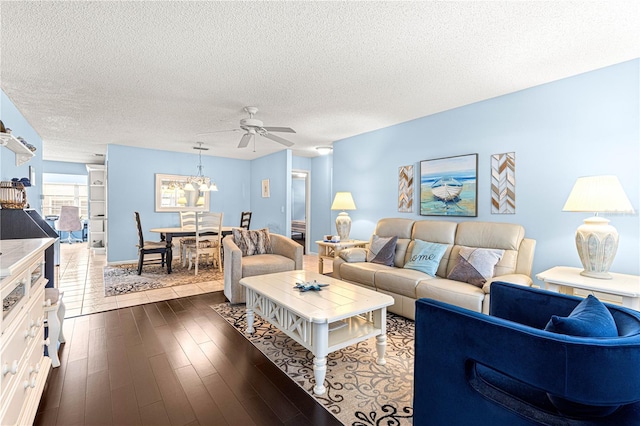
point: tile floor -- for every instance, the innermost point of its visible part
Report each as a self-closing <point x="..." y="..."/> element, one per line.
<point x="80" y="277"/>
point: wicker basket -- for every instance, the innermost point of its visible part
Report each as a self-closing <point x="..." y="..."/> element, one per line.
<point x="12" y="195"/>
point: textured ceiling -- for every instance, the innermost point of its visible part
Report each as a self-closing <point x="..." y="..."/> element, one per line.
<point x="156" y="74"/>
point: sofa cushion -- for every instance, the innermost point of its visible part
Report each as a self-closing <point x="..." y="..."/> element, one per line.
<point x="382" y="250"/>
<point x="425" y="257"/>
<point x="453" y="292"/>
<point x="252" y="242"/>
<point x="266" y="264"/>
<point x="361" y="273"/>
<point x="475" y="265"/>
<point x="505" y="236"/>
<point x="399" y="280"/>
<point x="437" y="231"/>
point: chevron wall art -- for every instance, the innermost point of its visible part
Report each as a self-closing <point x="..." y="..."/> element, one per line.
<point x="503" y="183"/>
<point x="405" y="189"/>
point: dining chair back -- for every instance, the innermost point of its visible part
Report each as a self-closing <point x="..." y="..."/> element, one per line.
<point x="207" y="240"/>
<point x="148" y="247"/>
<point x="188" y="223"/>
<point x="245" y="220"/>
<point x="69" y="221"/>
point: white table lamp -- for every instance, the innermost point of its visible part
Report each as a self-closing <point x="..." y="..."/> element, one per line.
<point x="343" y="201"/>
<point x="596" y="240"/>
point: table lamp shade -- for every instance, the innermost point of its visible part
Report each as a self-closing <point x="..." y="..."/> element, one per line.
<point x="343" y="201"/>
<point x="596" y="240"/>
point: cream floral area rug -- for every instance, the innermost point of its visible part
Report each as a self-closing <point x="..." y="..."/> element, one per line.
<point x="359" y="391"/>
<point x="123" y="279"/>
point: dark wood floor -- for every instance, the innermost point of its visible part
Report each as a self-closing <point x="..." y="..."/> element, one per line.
<point x="169" y="363"/>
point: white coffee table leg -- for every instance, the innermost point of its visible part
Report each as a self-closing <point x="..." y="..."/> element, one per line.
<point x="380" y="321"/>
<point x="250" y="314"/>
<point x="381" y="346"/>
<point x="321" y="346"/>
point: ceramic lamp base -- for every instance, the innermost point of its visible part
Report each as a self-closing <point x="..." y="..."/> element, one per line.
<point x="597" y="244"/>
<point x="343" y="226"/>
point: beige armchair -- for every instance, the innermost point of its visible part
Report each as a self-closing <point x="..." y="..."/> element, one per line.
<point x="286" y="256"/>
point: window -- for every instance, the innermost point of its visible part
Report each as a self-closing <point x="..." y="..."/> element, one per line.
<point x="56" y="195"/>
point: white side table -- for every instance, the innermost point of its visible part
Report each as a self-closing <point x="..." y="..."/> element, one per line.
<point x="564" y="279"/>
<point x="328" y="250"/>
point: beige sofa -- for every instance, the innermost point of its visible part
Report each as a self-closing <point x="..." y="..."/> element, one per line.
<point x="286" y="255"/>
<point x="407" y="285"/>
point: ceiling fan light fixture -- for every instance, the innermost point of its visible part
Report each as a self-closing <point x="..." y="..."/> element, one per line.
<point x="324" y="150"/>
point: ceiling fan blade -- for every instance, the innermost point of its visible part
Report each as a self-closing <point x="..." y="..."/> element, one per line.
<point x="246" y="138"/>
<point x="218" y="131"/>
<point x="277" y="139"/>
<point x="279" y="129"/>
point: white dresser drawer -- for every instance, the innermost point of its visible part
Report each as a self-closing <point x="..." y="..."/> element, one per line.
<point x="13" y="356"/>
<point x="28" y="386"/>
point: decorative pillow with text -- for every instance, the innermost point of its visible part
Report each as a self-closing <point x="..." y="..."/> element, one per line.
<point x="426" y="256"/>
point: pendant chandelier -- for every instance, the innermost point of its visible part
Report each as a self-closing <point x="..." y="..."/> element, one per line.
<point x="202" y="182"/>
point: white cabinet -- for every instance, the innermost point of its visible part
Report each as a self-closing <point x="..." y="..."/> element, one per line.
<point x="97" y="208"/>
<point x="23" y="154"/>
<point x="24" y="368"/>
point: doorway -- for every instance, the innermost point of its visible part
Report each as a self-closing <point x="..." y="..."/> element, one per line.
<point x="300" y="217"/>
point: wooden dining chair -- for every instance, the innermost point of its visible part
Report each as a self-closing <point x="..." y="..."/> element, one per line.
<point x="188" y="223"/>
<point x="207" y="241"/>
<point x="149" y="247"/>
<point x="245" y="220"/>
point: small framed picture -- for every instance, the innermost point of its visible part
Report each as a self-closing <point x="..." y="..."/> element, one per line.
<point x="265" y="188"/>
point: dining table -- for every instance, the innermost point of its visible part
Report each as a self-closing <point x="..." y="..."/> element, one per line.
<point x="167" y="234"/>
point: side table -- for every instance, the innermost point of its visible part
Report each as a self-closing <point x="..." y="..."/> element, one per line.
<point x="329" y="250"/>
<point x="564" y="279"/>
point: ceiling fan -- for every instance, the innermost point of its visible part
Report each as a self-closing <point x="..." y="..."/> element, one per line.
<point x="253" y="126"/>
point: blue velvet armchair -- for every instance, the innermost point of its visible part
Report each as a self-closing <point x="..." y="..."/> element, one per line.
<point x="505" y="369"/>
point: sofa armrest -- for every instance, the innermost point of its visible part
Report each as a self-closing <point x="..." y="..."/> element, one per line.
<point x="232" y="270"/>
<point x="286" y="247"/>
<point x="525" y="256"/>
<point x="336" y="267"/>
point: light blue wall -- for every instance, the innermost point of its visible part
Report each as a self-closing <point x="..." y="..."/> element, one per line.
<point x="584" y="125"/>
<point x="131" y="187"/>
<point x="13" y="119"/>
<point x="64" y="168"/>
<point x="272" y="212"/>
<point x="322" y="222"/>
<point x="301" y="163"/>
<point x="298" y="198"/>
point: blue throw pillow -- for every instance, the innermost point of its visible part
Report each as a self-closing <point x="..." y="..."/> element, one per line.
<point x="589" y="319"/>
<point x="426" y="256"/>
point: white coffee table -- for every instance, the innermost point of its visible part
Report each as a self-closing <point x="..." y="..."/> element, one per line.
<point x="306" y="316"/>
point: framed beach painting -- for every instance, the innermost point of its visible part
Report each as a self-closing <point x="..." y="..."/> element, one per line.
<point x="448" y="186"/>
